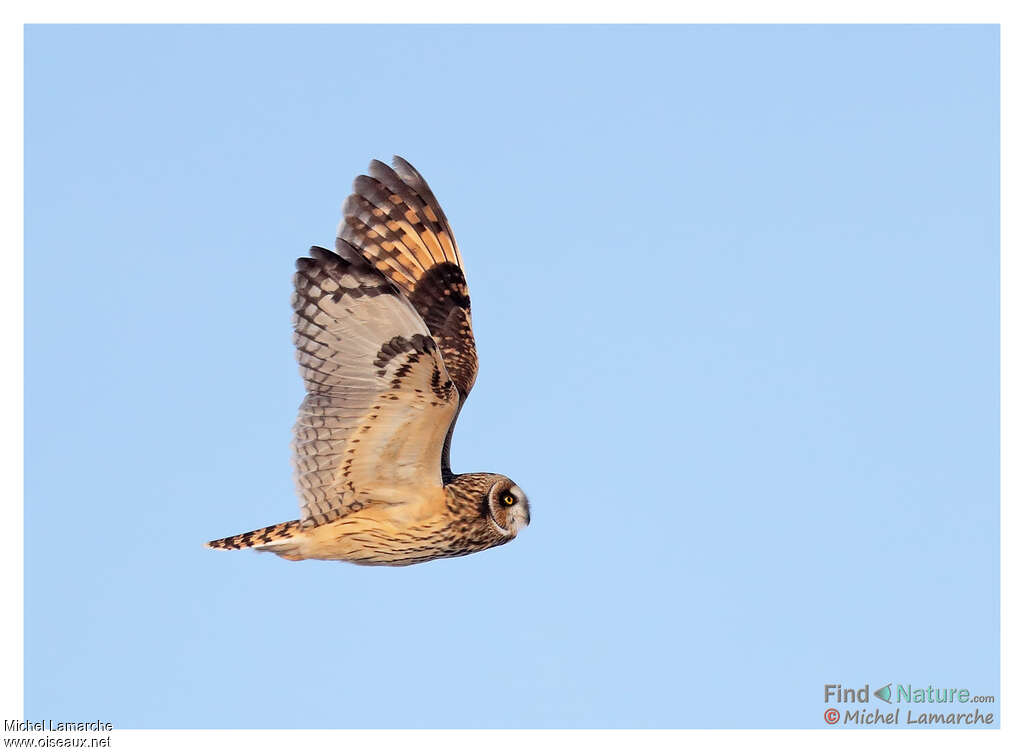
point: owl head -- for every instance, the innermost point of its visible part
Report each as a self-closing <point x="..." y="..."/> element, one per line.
<point x="507" y="507"/>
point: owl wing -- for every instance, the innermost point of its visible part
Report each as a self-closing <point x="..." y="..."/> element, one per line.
<point x="398" y="226"/>
<point x="380" y="400"/>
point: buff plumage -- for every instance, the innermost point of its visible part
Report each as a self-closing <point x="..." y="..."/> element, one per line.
<point x="385" y="345"/>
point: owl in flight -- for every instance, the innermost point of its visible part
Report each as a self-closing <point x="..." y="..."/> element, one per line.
<point x="385" y="347"/>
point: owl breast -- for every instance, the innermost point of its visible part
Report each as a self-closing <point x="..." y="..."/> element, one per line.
<point x="402" y="534"/>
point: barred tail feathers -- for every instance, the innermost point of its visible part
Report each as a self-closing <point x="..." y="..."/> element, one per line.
<point x="284" y="539"/>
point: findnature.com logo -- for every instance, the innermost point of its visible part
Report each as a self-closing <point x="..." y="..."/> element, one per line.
<point x="896" y="694"/>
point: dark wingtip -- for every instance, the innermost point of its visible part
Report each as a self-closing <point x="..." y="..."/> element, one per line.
<point x="345" y="254"/>
<point x="402" y="165"/>
<point x="375" y="165"/>
<point x="316" y="253"/>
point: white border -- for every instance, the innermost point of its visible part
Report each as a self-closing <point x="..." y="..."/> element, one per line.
<point x="523" y="11"/>
<point x="536" y="11"/>
<point x="12" y="667"/>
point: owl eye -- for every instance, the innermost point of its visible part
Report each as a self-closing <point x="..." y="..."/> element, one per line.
<point x="508" y="500"/>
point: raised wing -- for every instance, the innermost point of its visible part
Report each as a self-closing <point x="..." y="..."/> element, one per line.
<point x="380" y="400"/>
<point x="397" y="225"/>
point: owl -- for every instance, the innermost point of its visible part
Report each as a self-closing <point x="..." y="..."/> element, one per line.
<point x="385" y="345"/>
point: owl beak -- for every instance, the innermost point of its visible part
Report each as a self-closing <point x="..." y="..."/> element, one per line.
<point x="526" y="503"/>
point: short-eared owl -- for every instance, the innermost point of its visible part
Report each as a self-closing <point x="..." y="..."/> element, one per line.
<point x="385" y="348"/>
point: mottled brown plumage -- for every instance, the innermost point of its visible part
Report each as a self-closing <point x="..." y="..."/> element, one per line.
<point x="384" y="340"/>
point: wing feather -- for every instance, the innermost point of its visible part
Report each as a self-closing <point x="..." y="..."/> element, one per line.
<point x="394" y="222"/>
<point x="380" y="400"/>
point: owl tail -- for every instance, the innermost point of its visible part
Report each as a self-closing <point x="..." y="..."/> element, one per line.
<point x="284" y="539"/>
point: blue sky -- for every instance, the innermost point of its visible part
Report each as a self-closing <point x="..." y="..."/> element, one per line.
<point x="736" y="298"/>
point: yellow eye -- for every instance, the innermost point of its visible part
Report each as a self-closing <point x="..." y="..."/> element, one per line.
<point x="508" y="500"/>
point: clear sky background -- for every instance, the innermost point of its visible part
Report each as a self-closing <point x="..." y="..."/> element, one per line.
<point x="735" y="292"/>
